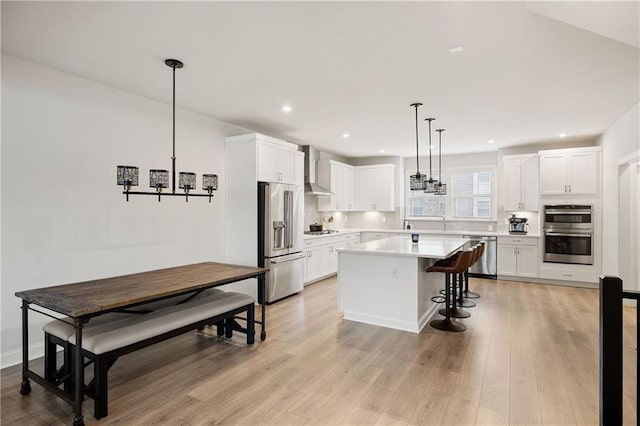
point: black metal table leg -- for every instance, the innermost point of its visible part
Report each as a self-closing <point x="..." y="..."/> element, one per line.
<point x="25" y="386"/>
<point x="78" y="376"/>
<point x="262" y="298"/>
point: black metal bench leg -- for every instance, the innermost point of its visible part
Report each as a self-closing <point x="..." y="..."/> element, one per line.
<point x="67" y="368"/>
<point x="251" y="324"/>
<point x="101" y="388"/>
<point x="228" y="328"/>
<point x="50" y="364"/>
<point x="220" y="328"/>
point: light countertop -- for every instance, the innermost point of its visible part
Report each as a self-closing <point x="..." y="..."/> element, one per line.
<point x="426" y="232"/>
<point x="333" y="234"/>
<point x="429" y="247"/>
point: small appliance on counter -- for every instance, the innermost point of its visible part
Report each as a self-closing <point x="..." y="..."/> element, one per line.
<point x="518" y="225"/>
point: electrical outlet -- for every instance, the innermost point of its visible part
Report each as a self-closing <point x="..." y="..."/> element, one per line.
<point x="490" y="228"/>
<point x="384" y="219"/>
<point x="394" y="272"/>
<point x="346" y="219"/>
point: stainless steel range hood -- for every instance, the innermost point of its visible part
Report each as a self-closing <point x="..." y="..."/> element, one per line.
<point x="310" y="185"/>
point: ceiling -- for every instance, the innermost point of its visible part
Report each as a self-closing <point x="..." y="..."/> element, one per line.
<point x="353" y="67"/>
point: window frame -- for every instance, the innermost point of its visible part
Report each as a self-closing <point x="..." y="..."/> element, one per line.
<point x="448" y="172"/>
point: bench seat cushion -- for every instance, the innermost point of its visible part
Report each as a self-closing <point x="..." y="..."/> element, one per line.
<point x="124" y="332"/>
<point x="64" y="330"/>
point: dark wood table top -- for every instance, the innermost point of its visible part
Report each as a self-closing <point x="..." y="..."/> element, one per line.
<point x="90" y="298"/>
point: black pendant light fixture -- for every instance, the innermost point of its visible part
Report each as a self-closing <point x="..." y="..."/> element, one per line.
<point x="431" y="183"/>
<point x="441" y="188"/>
<point x="418" y="181"/>
<point x="127" y="176"/>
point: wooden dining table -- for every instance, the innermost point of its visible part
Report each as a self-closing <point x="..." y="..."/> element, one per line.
<point x="84" y="300"/>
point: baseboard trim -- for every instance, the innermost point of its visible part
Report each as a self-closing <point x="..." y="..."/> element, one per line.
<point x="13" y="357"/>
<point x="548" y="281"/>
<point x="383" y="322"/>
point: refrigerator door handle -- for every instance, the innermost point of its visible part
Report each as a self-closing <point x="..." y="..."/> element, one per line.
<point x="288" y="211"/>
<point x="289" y="259"/>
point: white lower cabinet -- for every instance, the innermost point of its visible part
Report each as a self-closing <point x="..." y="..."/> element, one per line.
<point x="518" y="257"/>
<point x="321" y="255"/>
<point x="311" y="264"/>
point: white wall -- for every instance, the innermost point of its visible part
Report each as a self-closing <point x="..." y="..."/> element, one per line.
<point x="63" y="217"/>
<point x="620" y="140"/>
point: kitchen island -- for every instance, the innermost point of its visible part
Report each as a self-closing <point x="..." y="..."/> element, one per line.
<point x="385" y="283"/>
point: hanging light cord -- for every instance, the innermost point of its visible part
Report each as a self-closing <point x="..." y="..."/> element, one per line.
<point x="440" y="156"/>
<point x="416" y="106"/>
<point x="173" y="157"/>
<point x="430" y="174"/>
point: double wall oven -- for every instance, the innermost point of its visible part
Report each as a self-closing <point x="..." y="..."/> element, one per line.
<point x="568" y="234"/>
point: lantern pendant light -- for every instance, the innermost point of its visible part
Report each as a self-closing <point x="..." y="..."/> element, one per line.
<point x="418" y="181"/>
<point x="127" y="176"/>
<point x="441" y="188"/>
<point x="431" y="183"/>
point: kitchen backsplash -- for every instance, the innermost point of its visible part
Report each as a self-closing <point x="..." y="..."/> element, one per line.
<point x="341" y="220"/>
<point x="388" y="220"/>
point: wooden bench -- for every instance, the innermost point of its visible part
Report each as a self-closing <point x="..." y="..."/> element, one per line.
<point x="109" y="336"/>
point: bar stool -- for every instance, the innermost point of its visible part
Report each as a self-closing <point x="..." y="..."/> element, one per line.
<point x="458" y="287"/>
<point x="470" y="294"/>
<point x="453" y="265"/>
<point x="464" y="279"/>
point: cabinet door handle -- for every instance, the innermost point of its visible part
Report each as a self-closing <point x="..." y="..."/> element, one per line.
<point x="569" y="188"/>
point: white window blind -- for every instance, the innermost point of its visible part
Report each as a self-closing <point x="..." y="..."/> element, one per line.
<point x="471" y="194"/>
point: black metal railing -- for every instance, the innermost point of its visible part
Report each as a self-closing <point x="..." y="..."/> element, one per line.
<point x="611" y="351"/>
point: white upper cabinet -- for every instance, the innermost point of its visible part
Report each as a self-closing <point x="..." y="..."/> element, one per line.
<point x="340" y="179"/>
<point x="276" y="162"/>
<point x="570" y="172"/>
<point x="520" y="182"/>
<point x="375" y="188"/>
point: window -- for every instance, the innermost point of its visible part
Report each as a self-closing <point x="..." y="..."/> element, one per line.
<point x="424" y="205"/>
<point x="471" y="194"/>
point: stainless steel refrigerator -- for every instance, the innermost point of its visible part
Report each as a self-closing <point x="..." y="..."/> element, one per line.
<point x="280" y="238"/>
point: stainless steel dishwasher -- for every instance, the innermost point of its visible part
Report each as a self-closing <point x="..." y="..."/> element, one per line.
<point x="487" y="265"/>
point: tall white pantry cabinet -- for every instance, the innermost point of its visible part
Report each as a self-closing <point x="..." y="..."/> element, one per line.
<point x="249" y="159"/>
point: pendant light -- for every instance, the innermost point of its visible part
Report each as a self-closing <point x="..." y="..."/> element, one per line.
<point x="127" y="176"/>
<point x="431" y="183"/>
<point x="441" y="188"/>
<point x="418" y="181"/>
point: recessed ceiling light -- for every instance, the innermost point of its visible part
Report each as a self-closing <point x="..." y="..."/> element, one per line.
<point x="286" y="108"/>
<point x="381" y="151"/>
<point x="456" y="49"/>
<point x="346" y="135"/>
<point x="491" y="141"/>
<point x="562" y="135"/>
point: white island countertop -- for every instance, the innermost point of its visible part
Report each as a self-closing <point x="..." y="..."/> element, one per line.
<point x="427" y="247"/>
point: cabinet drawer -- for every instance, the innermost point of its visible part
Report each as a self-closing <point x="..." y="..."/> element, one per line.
<point x="518" y="241"/>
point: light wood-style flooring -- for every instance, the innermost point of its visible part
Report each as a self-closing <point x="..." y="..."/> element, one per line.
<point x="529" y="356"/>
